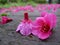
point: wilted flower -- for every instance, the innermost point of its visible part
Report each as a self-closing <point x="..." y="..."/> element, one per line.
<point x="5" y="20"/>
<point x="25" y="26"/>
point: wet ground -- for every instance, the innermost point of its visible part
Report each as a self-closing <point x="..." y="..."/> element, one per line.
<point x="8" y="35"/>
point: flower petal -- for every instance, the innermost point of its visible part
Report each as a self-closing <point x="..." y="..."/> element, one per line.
<point x="43" y="13"/>
<point x="44" y="35"/>
<point x="19" y="27"/>
<point x="35" y="32"/>
<point x="51" y="18"/>
<point x="26" y="29"/>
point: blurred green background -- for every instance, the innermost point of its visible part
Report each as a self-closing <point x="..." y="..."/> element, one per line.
<point x="8" y="3"/>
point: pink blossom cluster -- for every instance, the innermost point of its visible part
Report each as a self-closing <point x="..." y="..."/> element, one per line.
<point x="40" y="7"/>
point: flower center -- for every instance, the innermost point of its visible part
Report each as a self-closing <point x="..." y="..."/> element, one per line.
<point x="45" y="28"/>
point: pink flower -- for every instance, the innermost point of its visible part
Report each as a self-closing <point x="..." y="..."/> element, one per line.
<point x="54" y="9"/>
<point x="21" y="8"/>
<point x="39" y="8"/>
<point x="48" y="7"/>
<point x="3" y="10"/>
<point x="5" y="20"/>
<point x="29" y="8"/>
<point x="43" y="25"/>
<point x="13" y="10"/>
<point x="25" y="26"/>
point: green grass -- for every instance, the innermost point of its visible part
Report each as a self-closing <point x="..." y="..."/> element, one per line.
<point x="20" y="3"/>
<point x="32" y="3"/>
<point x="7" y="5"/>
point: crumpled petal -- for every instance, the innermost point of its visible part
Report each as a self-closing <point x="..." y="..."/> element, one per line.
<point x="19" y="27"/>
<point x="24" y="28"/>
<point x="5" y="20"/>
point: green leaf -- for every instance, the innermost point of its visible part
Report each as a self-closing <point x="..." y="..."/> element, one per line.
<point x="4" y="14"/>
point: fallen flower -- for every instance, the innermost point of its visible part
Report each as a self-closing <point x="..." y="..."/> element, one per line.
<point x="5" y="20"/>
<point x="42" y="26"/>
<point x="25" y="26"/>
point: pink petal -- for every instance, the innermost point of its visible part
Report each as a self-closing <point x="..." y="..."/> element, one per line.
<point x="39" y="20"/>
<point x="35" y="32"/>
<point x="43" y="13"/>
<point x="19" y="27"/>
<point x="29" y="8"/>
<point x="51" y="18"/>
<point x="44" y="35"/>
<point x="4" y="19"/>
<point x="26" y="29"/>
